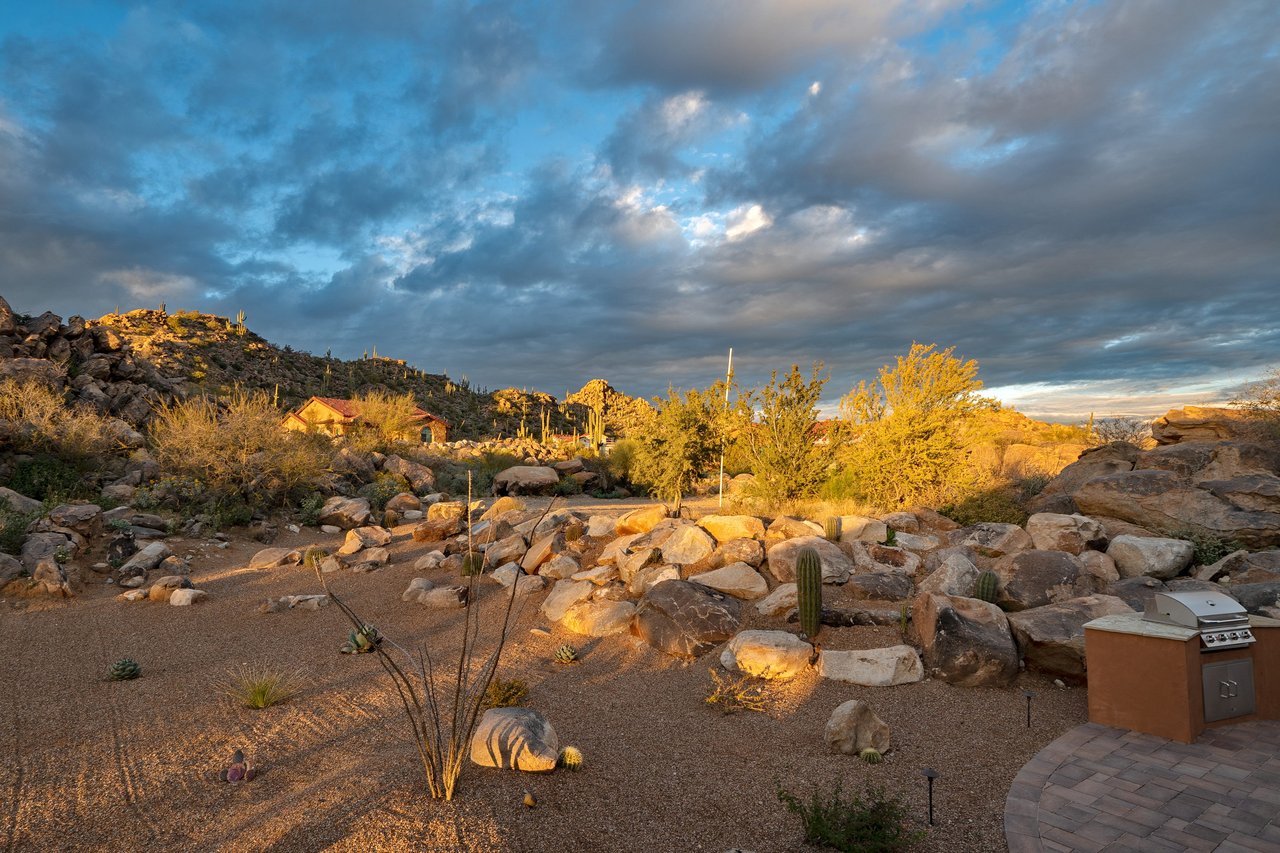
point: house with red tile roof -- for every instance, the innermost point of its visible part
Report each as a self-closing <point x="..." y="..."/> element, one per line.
<point x="333" y="416"/>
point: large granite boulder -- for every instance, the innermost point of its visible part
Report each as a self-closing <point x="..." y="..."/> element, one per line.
<point x="346" y="513"/>
<point x="1051" y="637"/>
<point x="772" y="655"/>
<point x="853" y="727"/>
<point x="564" y="595"/>
<point x="883" y="559"/>
<point x="991" y="538"/>
<point x="885" y="667"/>
<point x="727" y="527"/>
<point x="1051" y="531"/>
<point x="419" y="476"/>
<point x="1244" y="567"/>
<point x="966" y="642"/>
<point x="836" y="565"/>
<point x="956" y="576"/>
<point x="599" y="617"/>
<point x="640" y="520"/>
<point x="1135" y="592"/>
<point x="880" y="587"/>
<point x="1260" y="599"/>
<point x="525" y="480"/>
<point x="1151" y="556"/>
<point x="515" y="739"/>
<point x="685" y="619"/>
<point x="1118" y="456"/>
<point x="1201" y="423"/>
<point x="736" y="579"/>
<point x="687" y="544"/>
<point x="1035" y="578"/>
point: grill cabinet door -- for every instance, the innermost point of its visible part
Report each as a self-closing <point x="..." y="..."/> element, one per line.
<point x="1228" y="689"/>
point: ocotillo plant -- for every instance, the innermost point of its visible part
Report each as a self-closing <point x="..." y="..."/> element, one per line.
<point x="809" y="591"/>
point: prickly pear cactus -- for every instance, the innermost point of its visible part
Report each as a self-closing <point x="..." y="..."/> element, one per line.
<point x="566" y="654"/>
<point x="871" y="755"/>
<point x="124" y="669"/>
<point x="571" y="758"/>
<point x="809" y="591"/>
<point x="987" y="587"/>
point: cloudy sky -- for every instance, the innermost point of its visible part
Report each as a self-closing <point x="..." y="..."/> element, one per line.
<point x="1084" y="197"/>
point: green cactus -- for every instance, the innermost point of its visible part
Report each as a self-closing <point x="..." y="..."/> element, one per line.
<point x="361" y="642"/>
<point x="871" y="755"/>
<point x="809" y="591"/>
<point x="566" y="654"/>
<point x="831" y="528"/>
<point x="472" y="564"/>
<point x="987" y="587"/>
<point x="570" y="758"/>
<point x="891" y="537"/>
<point x="124" y="669"/>
<point x="313" y="557"/>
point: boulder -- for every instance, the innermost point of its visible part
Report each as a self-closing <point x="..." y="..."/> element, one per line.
<point x="515" y="739"/>
<point x="966" y="642"/>
<point x="511" y="573"/>
<point x="1135" y="592"/>
<point x="772" y="655"/>
<point x="1244" y="567"/>
<point x="885" y="667"/>
<point x="525" y="480"/>
<point x="1050" y="531"/>
<point x="47" y="545"/>
<point x="883" y="559"/>
<point x="727" y="527"/>
<point x="505" y="551"/>
<point x="84" y="519"/>
<point x="858" y="528"/>
<point x="53" y="579"/>
<point x="270" y="558"/>
<point x="182" y="597"/>
<point x="405" y="502"/>
<point x="747" y="551"/>
<point x="640" y="520"/>
<point x="1100" y="566"/>
<point x="649" y="576"/>
<point x="146" y="559"/>
<point x="565" y="594"/>
<point x="417" y="586"/>
<point x="163" y="588"/>
<point x="599" y="617"/>
<point x="685" y="619"/>
<point x="419" y="476"/>
<point x="853" y="727"/>
<point x="789" y="527"/>
<point x="445" y="597"/>
<point x="778" y="602"/>
<point x="440" y="529"/>
<point x="1201" y="423"/>
<point x="19" y="502"/>
<point x="992" y="539"/>
<point x="918" y="542"/>
<point x="836" y="565"/>
<point x="564" y="566"/>
<point x="880" y="587"/>
<point x="542" y="550"/>
<point x="1151" y="556"/>
<point x="600" y="526"/>
<point x="956" y="576"/>
<point x="1035" y="578"/>
<point x="687" y="544"/>
<point x="1116" y="457"/>
<point x="1260" y="599"/>
<point x="10" y="569"/>
<point x="571" y="466"/>
<point x="1051" y="637"/>
<point x="345" y="513"/>
<point x="736" y="579"/>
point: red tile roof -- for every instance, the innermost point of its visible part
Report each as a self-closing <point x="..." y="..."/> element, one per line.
<point x="351" y="409"/>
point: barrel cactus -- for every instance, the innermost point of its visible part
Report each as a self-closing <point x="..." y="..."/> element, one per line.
<point x="987" y="587"/>
<point x="313" y="557"/>
<point x="809" y="591"/>
<point x="571" y="758"/>
<point x="831" y="528"/>
<point x="566" y="654"/>
<point x="124" y="669"/>
<point x="871" y="755"/>
<point x="472" y="564"/>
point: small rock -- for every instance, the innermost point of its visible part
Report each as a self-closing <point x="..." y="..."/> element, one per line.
<point x="853" y="727"/>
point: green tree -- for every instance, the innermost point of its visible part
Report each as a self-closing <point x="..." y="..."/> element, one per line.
<point x="680" y="445"/>
<point x="783" y="445"/>
<point x="906" y="444"/>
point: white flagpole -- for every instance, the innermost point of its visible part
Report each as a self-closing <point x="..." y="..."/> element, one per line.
<point x="728" y="377"/>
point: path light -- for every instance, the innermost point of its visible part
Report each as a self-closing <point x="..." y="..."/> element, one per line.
<point x="1028" y="694"/>
<point x="930" y="774"/>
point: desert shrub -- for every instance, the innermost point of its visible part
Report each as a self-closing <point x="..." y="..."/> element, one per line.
<point x="258" y="685"/>
<point x="49" y="478"/>
<point x="1032" y="484"/>
<point x="568" y="487"/>
<point x="386" y="420"/>
<point x="1119" y="428"/>
<point x="13" y="527"/>
<point x="1261" y="400"/>
<point x="787" y="462"/>
<point x="906" y="442"/>
<point x="237" y="448"/>
<point x="994" y="504"/>
<point x="680" y="445"/>
<point x="621" y="459"/>
<point x="870" y="822"/>
<point x="384" y="487"/>
<point x="505" y="693"/>
<point x="43" y="422"/>
<point x="739" y="694"/>
<point x="309" y="509"/>
<point x="1209" y="548"/>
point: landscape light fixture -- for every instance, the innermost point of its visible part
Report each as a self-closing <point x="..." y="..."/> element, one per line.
<point x="1028" y="694"/>
<point x="930" y="774"/>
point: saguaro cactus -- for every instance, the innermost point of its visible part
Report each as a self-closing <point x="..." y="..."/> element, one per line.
<point x="809" y="591"/>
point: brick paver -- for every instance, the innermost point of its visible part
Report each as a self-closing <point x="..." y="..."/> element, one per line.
<point x="1107" y="790"/>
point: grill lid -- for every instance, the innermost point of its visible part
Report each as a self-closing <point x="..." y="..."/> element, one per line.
<point x="1195" y="610"/>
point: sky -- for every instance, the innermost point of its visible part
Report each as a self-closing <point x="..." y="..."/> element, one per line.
<point x="1084" y="197"/>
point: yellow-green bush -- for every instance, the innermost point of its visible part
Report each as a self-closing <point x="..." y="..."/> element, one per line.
<point x="43" y="421"/>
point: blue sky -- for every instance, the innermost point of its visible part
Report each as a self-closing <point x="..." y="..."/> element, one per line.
<point x="1084" y="197"/>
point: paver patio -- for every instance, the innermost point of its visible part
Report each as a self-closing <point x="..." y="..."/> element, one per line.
<point x="1102" y="789"/>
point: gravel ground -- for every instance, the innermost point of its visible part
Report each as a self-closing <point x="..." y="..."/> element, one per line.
<point x="92" y="765"/>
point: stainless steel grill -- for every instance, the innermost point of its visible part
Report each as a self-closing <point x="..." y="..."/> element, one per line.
<point x="1221" y="621"/>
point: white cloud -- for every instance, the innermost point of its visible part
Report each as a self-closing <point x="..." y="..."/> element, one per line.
<point x="746" y="220"/>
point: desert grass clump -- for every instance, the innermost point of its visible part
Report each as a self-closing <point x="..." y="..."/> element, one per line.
<point x="740" y="694"/>
<point x="43" y="422"/>
<point x="505" y="693"/>
<point x="870" y="822"/>
<point x="259" y="685"/>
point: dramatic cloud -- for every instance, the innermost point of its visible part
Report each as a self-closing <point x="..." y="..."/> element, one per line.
<point x="1083" y="197"/>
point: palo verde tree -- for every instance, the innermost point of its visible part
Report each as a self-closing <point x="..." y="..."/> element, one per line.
<point x="905" y="430"/>
<point x="681" y="444"/>
<point x="782" y="443"/>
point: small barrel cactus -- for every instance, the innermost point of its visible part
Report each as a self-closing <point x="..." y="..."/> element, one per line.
<point x="809" y="591"/>
<point x="472" y="564"/>
<point x="571" y="758"/>
<point x="871" y="755"/>
<point x="124" y="669"/>
<point x="566" y="654"/>
<point x="831" y="528"/>
<point x="313" y="557"/>
<point x="361" y="642"/>
<point x="987" y="587"/>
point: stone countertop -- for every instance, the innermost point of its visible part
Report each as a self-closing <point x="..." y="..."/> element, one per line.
<point x="1133" y="623"/>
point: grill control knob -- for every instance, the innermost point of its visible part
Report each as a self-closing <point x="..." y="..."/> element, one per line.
<point x="1234" y="635"/>
<point x="1209" y="638"/>
<point x="1222" y="637"/>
